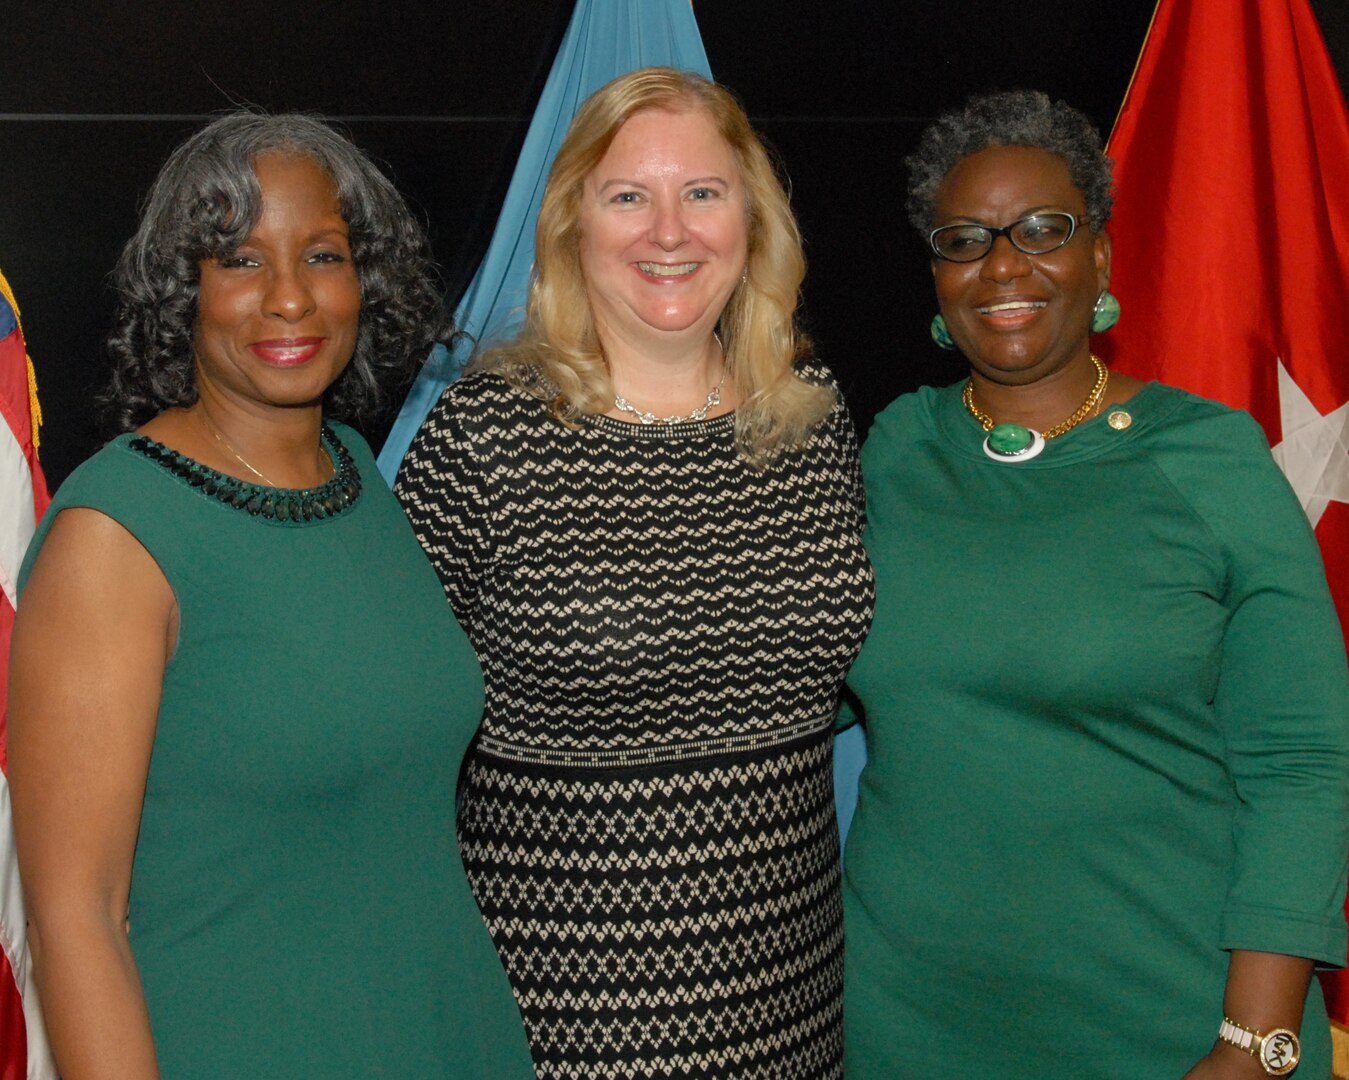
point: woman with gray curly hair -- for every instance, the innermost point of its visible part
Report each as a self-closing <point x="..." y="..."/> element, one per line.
<point x="237" y="700"/>
<point x="1102" y="830"/>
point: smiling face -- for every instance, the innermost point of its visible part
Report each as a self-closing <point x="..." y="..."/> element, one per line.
<point x="1019" y="317"/>
<point x="277" y="318"/>
<point x="664" y="229"/>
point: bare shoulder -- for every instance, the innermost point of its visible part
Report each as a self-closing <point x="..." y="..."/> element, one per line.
<point x="88" y="547"/>
<point x="93" y="578"/>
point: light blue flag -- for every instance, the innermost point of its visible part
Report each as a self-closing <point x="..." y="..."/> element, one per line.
<point x="850" y="754"/>
<point x="604" y="39"/>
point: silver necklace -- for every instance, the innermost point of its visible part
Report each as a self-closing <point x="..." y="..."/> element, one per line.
<point x="622" y="404"/>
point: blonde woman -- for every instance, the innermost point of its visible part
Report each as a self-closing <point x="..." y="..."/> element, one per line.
<point x="646" y="514"/>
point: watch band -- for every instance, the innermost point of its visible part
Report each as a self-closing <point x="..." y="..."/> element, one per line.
<point x="1277" y="1050"/>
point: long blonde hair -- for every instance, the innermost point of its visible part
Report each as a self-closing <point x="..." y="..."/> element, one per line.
<point x="557" y="356"/>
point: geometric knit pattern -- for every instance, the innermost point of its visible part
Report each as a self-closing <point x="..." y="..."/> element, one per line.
<point x="647" y="818"/>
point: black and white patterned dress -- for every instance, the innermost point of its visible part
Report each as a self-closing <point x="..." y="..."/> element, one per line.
<point x="647" y="819"/>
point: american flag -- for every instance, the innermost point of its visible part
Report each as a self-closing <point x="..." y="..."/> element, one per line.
<point x="24" y="1054"/>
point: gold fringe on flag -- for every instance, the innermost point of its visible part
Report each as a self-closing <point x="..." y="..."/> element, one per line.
<point x="34" y="406"/>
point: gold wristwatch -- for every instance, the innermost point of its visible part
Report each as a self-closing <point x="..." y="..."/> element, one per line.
<point x="1277" y="1049"/>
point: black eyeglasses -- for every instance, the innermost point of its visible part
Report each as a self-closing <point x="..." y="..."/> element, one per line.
<point x="1036" y="234"/>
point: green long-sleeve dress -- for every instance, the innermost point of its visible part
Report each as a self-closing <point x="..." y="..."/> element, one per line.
<point x="1108" y="725"/>
<point x="298" y="906"/>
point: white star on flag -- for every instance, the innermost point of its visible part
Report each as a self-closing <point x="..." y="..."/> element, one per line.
<point x="1314" y="453"/>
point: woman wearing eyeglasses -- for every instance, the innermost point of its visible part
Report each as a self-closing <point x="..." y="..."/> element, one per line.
<point x="1102" y="829"/>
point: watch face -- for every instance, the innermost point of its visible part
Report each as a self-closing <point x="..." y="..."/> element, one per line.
<point x="1279" y="1052"/>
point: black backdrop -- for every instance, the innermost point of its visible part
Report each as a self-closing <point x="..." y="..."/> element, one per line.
<point x="93" y="95"/>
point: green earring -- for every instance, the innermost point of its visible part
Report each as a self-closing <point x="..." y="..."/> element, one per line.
<point x="1105" y="314"/>
<point x="940" y="334"/>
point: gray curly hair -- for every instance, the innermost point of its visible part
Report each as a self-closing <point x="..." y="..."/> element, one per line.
<point x="203" y="204"/>
<point x="1013" y="118"/>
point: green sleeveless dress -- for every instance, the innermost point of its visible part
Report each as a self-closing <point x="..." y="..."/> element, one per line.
<point x="298" y="905"/>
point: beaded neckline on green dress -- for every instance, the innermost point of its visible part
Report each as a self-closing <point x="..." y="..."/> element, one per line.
<point x="299" y="505"/>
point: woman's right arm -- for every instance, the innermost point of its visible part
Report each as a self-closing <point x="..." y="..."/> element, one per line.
<point x="95" y="627"/>
<point x="446" y="498"/>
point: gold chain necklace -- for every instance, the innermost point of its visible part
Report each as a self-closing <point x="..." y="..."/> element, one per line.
<point x="220" y="438"/>
<point x="1010" y="442"/>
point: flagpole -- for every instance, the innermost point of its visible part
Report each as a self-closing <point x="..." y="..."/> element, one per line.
<point x="1138" y="61"/>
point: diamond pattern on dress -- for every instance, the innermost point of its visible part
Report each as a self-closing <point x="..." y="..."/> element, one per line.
<point x="647" y="821"/>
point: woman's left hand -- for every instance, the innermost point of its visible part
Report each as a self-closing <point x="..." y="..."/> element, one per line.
<point x="1263" y="991"/>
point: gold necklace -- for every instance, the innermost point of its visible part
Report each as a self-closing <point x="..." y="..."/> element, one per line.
<point x="220" y="438"/>
<point x="1010" y="442"/>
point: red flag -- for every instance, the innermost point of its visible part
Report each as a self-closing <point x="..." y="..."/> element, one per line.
<point x="1231" y="227"/>
<point x="23" y="498"/>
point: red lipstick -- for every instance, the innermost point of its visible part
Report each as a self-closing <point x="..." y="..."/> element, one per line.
<point x="287" y="352"/>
